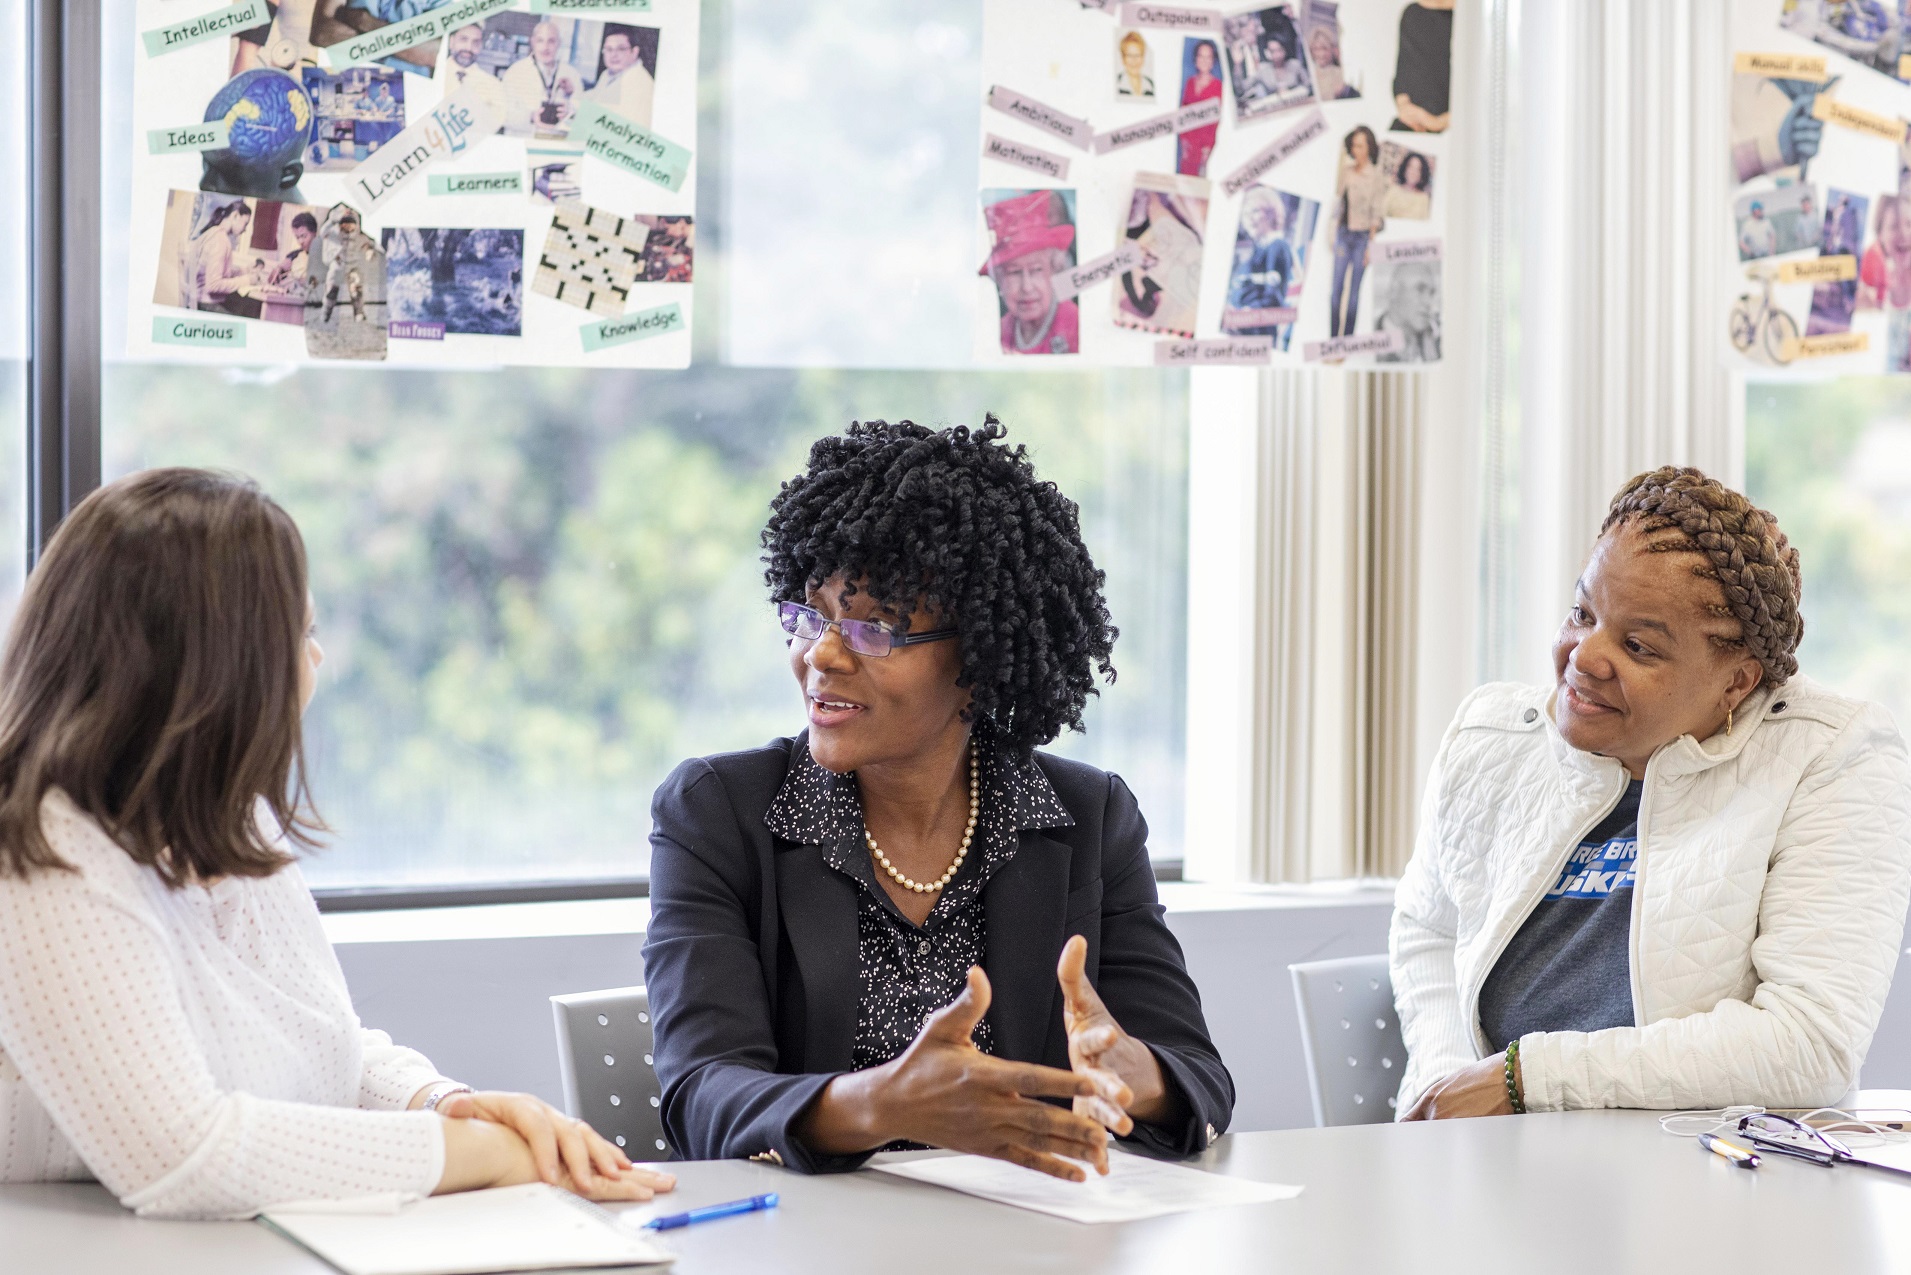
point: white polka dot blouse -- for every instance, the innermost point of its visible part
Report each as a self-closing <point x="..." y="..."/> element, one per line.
<point x="195" y="1050"/>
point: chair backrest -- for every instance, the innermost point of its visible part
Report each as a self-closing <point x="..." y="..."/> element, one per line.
<point x="604" y="1052"/>
<point x="1351" y="1038"/>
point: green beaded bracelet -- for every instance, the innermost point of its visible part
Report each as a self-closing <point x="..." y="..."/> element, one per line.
<point x="1512" y="1085"/>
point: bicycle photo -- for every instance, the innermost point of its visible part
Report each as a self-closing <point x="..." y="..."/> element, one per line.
<point x="1759" y="327"/>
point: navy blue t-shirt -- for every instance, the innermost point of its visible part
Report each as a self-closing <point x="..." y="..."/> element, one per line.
<point x="1569" y="969"/>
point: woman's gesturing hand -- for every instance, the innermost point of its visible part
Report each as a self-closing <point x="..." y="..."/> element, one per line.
<point x="1128" y="1080"/>
<point x="945" y="1092"/>
<point x="1477" y="1089"/>
<point x="948" y="1093"/>
<point x="562" y="1151"/>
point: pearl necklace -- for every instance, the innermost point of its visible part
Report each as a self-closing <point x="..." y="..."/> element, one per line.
<point x="968" y="834"/>
<point x="1041" y="333"/>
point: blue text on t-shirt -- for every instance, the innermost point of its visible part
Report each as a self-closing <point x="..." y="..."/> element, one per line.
<point x="1597" y="869"/>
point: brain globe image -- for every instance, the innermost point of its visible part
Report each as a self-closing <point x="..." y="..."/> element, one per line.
<point x="270" y="118"/>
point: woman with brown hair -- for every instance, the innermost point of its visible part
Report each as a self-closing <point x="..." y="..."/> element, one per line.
<point x="210" y="274"/>
<point x="1204" y="84"/>
<point x="1677" y="877"/>
<point x="1360" y="213"/>
<point x="172" y="1019"/>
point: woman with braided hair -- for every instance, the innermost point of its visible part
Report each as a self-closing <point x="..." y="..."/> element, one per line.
<point x="1675" y="879"/>
<point x="823" y="908"/>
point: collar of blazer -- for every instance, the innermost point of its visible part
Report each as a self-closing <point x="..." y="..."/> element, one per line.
<point x="817" y="807"/>
<point x="1024" y="903"/>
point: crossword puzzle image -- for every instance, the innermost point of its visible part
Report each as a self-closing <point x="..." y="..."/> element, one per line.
<point x="591" y="258"/>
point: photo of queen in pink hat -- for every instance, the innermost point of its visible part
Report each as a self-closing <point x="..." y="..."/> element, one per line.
<point x="1033" y="235"/>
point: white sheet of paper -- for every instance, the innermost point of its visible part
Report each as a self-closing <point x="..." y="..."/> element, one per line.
<point x="1135" y="1187"/>
<point x="515" y="1228"/>
<point x="1891" y="1155"/>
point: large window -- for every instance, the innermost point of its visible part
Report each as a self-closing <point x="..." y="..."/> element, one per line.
<point x="1832" y="459"/>
<point x="540" y="590"/>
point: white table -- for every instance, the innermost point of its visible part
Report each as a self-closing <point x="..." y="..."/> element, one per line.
<point x="1598" y="1192"/>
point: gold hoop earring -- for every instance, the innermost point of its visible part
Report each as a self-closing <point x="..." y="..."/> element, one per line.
<point x="1728" y="721"/>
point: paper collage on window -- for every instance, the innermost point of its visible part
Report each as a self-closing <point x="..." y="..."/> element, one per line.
<point x="1818" y="244"/>
<point x="1207" y="184"/>
<point x="401" y="181"/>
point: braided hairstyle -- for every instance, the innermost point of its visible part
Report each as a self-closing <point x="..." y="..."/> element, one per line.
<point x="1680" y="510"/>
<point x="957" y="520"/>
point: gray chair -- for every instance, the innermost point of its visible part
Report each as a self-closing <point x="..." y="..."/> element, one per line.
<point x="604" y="1053"/>
<point x="1351" y="1038"/>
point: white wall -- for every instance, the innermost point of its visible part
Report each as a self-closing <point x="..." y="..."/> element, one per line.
<point x="469" y="986"/>
<point x="1239" y="946"/>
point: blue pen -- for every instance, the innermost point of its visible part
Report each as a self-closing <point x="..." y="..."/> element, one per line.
<point x="709" y="1211"/>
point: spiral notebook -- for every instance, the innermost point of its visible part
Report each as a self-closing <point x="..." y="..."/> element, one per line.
<point x="514" y="1228"/>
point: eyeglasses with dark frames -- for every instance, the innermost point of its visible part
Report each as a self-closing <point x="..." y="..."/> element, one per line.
<point x="865" y="637"/>
<point x="1782" y="1135"/>
<point x="1785" y="1135"/>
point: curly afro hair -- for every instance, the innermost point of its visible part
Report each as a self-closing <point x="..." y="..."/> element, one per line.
<point x="956" y="519"/>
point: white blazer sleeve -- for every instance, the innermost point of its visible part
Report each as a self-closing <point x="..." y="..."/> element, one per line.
<point x="91" y="1015"/>
<point x="1420" y="948"/>
<point x="1829" y="924"/>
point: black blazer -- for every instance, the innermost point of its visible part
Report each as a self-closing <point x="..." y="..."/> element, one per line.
<point x="751" y="957"/>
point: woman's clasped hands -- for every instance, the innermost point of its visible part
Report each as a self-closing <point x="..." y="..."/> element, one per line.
<point x="506" y="1139"/>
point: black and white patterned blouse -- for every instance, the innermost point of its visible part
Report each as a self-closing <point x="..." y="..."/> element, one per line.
<point x="907" y="972"/>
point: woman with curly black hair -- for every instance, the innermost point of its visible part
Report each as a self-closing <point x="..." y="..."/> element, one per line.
<point x="824" y="908"/>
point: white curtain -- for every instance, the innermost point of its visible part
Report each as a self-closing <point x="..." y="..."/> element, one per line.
<point x="1366" y="547"/>
<point x="1618" y="152"/>
<point x="1335" y="570"/>
<point x="1308" y="612"/>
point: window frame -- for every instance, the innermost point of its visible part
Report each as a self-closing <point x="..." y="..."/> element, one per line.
<point x="64" y="153"/>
